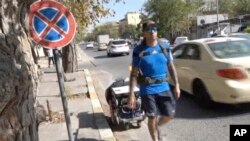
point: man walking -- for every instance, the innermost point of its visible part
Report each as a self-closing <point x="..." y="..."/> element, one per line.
<point x="50" y="57"/>
<point x="151" y="63"/>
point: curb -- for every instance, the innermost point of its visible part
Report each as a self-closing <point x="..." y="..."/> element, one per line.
<point x="101" y="122"/>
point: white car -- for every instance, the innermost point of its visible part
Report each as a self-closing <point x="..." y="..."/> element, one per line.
<point x="90" y="45"/>
<point x="118" y="47"/>
<point x="180" y="40"/>
<point x="214" y="69"/>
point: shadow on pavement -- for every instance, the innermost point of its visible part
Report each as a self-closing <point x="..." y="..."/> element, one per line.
<point x="187" y="108"/>
<point x="120" y="127"/>
<point x="101" y="57"/>
<point x="86" y="120"/>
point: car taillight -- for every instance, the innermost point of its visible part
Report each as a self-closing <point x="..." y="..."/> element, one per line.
<point x="232" y="73"/>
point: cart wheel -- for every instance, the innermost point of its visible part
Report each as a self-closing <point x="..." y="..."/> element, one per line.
<point x="116" y="117"/>
<point x="126" y="126"/>
<point x="113" y="114"/>
<point x="139" y="124"/>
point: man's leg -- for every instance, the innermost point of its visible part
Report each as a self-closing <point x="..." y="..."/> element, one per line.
<point x="49" y="61"/>
<point x="150" y="109"/>
<point x="163" y="120"/>
<point x="152" y="127"/>
<point x="167" y="105"/>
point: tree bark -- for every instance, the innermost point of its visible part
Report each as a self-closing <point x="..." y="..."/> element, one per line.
<point x="69" y="58"/>
<point x="18" y="74"/>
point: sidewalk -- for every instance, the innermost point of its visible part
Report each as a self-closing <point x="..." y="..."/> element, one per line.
<point x="87" y="119"/>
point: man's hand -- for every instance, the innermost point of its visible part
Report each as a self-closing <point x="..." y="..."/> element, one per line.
<point x="177" y="91"/>
<point x="131" y="101"/>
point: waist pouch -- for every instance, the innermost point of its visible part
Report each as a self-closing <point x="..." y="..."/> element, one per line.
<point x="147" y="80"/>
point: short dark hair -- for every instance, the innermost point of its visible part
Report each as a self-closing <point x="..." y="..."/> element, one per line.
<point x="146" y="24"/>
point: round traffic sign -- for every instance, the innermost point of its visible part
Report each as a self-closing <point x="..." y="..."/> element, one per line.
<point x="51" y="24"/>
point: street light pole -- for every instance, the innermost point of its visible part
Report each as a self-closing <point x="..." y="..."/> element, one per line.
<point x="217" y="8"/>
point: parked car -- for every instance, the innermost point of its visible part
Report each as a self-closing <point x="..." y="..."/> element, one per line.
<point x="240" y="35"/>
<point x="214" y="69"/>
<point x="117" y="47"/>
<point x="180" y="39"/>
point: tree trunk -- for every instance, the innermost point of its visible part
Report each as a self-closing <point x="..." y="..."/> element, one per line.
<point x="69" y="58"/>
<point x="18" y="74"/>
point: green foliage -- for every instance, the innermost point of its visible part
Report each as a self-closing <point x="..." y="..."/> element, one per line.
<point x="247" y="30"/>
<point x="241" y="7"/>
<point x="129" y="31"/>
<point x="172" y="15"/>
<point x="110" y="29"/>
<point x="87" y="12"/>
<point x="177" y="16"/>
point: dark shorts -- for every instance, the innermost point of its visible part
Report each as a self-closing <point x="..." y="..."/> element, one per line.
<point x="162" y="104"/>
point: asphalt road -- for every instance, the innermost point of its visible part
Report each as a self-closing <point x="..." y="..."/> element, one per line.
<point x="192" y="123"/>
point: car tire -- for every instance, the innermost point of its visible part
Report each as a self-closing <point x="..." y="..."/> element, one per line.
<point x="127" y="53"/>
<point x="201" y="95"/>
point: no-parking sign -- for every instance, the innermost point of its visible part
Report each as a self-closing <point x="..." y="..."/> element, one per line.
<point x="51" y="24"/>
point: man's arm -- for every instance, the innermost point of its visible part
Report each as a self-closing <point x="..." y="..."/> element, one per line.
<point x="132" y="84"/>
<point x="133" y="76"/>
<point x="173" y="74"/>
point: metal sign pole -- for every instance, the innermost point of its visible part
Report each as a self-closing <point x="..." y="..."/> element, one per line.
<point x="62" y="91"/>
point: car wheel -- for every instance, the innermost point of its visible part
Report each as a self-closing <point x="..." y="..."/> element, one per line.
<point x="127" y="53"/>
<point x="126" y="126"/>
<point x="201" y="95"/>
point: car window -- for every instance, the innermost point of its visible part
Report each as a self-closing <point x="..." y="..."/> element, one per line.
<point x="192" y="52"/>
<point x="178" y="51"/>
<point x="231" y="49"/>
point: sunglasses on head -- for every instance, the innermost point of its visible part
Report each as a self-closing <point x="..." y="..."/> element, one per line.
<point x="151" y="28"/>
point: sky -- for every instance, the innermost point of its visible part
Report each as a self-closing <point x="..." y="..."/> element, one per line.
<point x="121" y="9"/>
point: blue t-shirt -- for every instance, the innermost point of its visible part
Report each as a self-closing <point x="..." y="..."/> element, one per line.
<point x="153" y="65"/>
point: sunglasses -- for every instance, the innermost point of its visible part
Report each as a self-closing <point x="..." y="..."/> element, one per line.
<point x="151" y="29"/>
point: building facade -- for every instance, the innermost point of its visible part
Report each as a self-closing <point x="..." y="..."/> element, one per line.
<point x="131" y="18"/>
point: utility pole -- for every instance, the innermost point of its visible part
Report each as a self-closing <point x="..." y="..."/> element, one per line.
<point x="217" y="9"/>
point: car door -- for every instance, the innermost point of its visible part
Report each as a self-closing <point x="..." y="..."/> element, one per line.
<point x="186" y="64"/>
<point x="178" y="52"/>
<point x="190" y="65"/>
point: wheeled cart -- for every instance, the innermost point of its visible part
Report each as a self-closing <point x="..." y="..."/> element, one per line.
<point x="117" y="98"/>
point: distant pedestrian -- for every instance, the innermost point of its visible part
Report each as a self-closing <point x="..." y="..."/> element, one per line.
<point x="50" y="57"/>
<point x="151" y="63"/>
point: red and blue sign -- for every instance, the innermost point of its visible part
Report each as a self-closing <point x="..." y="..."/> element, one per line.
<point x="51" y="24"/>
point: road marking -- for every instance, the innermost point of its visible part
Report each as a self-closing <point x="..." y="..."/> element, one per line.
<point x="101" y="123"/>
